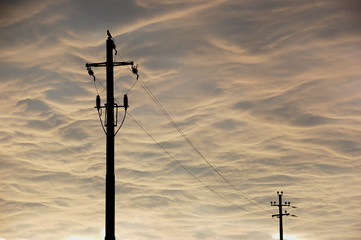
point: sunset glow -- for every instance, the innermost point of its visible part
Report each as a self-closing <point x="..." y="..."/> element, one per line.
<point x="235" y="100"/>
<point x="286" y="237"/>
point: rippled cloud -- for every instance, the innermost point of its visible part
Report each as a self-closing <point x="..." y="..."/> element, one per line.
<point x="266" y="91"/>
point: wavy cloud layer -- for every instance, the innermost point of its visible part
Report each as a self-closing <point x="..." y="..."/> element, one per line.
<point x="267" y="92"/>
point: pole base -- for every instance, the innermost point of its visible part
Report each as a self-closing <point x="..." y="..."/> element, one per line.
<point x="109" y="238"/>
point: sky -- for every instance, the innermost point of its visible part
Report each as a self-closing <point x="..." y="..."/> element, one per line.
<point x="267" y="92"/>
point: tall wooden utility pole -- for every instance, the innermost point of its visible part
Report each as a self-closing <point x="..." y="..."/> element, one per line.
<point x="109" y="106"/>
<point x="280" y="214"/>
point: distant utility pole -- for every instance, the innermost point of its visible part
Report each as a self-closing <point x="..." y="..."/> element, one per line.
<point x="109" y="107"/>
<point x="280" y="214"/>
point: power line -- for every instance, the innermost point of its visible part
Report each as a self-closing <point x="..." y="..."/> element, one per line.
<point x="131" y="69"/>
<point x="178" y="162"/>
<point x="170" y="119"/>
<point x="161" y="108"/>
<point x="165" y="113"/>
<point x="189" y="172"/>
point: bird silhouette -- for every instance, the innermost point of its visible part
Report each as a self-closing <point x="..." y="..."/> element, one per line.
<point x="109" y="35"/>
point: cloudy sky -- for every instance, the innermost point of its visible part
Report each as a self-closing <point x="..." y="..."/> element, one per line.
<point x="267" y="91"/>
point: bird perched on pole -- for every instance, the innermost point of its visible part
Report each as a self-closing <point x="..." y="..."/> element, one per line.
<point x="109" y="35"/>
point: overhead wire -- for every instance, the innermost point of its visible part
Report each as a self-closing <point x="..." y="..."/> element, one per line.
<point x="130" y="68"/>
<point x="178" y="162"/>
<point x="121" y="124"/>
<point x="101" y="122"/>
<point x="100" y="84"/>
<point x="188" y="171"/>
<point x="165" y="113"/>
<point x="91" y="73"/>
<point x="100" y="110"/>
<point x="96" y="88"/>
<point x="135" y="83"/>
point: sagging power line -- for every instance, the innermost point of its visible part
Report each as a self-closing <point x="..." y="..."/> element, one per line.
<point x="188" y="171"/>
<point x="134" y="70"/>
<point x="180" y="164"/>
<point x="190" y="143"/>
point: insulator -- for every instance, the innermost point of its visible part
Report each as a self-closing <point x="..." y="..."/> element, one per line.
<point x="98" y="102"/>
<point x="135" y="69"/>
<point x="125" y="101"/>
<point x="90" y="72"/>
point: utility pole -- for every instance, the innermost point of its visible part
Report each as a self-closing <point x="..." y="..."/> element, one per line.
<point x="110" y="136"/>
<point x="280" y="214"/>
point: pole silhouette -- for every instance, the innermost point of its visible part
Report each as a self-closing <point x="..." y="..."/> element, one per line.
<point x="280" y="214"/>
<point x="110" y="136"/>
<point x="110" y="176"/>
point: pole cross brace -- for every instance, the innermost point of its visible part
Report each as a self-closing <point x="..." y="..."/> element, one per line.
<point x="283" y="214"/>
<point x="104" y="64"/>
